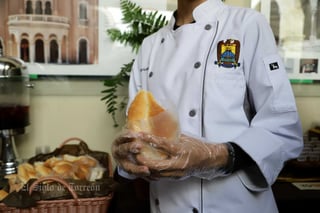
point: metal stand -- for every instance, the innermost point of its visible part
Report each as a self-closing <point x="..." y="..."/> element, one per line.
<point x="8" y="152"/>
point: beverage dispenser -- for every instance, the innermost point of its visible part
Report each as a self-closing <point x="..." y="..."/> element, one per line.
<point x="14" y="110"/>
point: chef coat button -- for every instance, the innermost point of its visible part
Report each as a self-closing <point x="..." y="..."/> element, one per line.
<point x="197" y="65"/>
<point x="157" y="202"/>
<point x="192" y="113"/>
<point x="162" y="40"/>
<point x="195" y="210"/>
<point x="150" y="74"/>
<point x="208" y="27"/>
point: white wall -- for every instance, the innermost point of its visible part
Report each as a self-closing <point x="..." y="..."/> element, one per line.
<point x="244" y="3"/>
<point x="56" y="117"/>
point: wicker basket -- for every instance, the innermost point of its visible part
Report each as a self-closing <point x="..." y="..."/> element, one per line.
<point x="75" y="205"/>
<point x="77" y="147"/>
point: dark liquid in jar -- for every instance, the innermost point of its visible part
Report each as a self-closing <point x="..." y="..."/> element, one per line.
<point x="14" y="117"/>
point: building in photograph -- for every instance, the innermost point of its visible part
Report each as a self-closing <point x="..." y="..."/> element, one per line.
<point x="50" y="31"/>
<point x="303" y="27"/>
<point x="296" y="26"/>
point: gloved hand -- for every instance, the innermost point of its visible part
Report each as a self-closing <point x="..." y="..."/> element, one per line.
<point x="187" y="157"/>
<point x="124" y="149"/>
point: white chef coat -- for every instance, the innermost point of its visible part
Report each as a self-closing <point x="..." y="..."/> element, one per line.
<point x="210" y="89"/>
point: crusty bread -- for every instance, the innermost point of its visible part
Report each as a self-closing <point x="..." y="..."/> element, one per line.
<point x="144" y="106"/>
<point x="3" y="194"/>
<point x="82" y="167"/>
<point x="50" y="162"/>
<point x="86" y="160"/>
<point x="42" y="170"/>
<point x="82" y="172"/>
<point x="26" y="172"/>
<point x="147" y="115"/>
<point x="63" y="168"/>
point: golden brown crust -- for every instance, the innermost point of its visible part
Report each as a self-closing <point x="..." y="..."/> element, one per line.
<point x="51" y="161"/>
<point x="42" y="170"/>
<point x="82" y="172"/>
<point x="26" y="172"/>
<point x="143" y="106"/>
<point x="146" y="114"/>
<point x="63" y="169"/>
<point x="65" y="166"/>
<point x="86" y="160"/>
<point x="3" y="194"/>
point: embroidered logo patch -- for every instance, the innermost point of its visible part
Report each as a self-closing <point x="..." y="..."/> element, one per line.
<point x="228" y="53"/>
<point x="274" y="66"/>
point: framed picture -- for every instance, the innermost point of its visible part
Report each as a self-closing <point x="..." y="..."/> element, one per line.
<point x="58" y="37"/>
<point x="297" y="36"/>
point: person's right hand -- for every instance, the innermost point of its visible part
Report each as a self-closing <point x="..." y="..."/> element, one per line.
<point x="124" y="149"/>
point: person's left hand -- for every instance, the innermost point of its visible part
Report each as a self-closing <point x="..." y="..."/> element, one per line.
<point x="187" y="157"/>
<point x="124" y="149"/>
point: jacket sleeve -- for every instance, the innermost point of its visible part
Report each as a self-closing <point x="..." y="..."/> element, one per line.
<point x="139" y="72"/>
<point x="137" y="82"/>
<point x="275" y="133"/>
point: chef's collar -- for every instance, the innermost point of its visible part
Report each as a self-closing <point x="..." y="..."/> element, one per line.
<point x="207" y="10"/>
<point x="175" y="26"/>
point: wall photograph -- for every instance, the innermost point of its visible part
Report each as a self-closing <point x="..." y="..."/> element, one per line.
<point x="59" y="37"/>
<point x="297" y="36"/>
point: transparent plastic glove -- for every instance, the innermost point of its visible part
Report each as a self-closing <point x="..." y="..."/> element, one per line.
<point x="124" y="149"/>
<point x="163" y="125"/>
<point x="155" y="116"/>
<point x="187" y="157"/>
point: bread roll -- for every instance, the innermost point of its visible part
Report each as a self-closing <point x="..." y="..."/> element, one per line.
<point x="64" y="169"/>
<point x="42" y="170"/>
<point x="82" y="172"/>
<point x="3" y="194"/>
<point x="26" y="172"/>
<point x="86" y="160"/>
<point x="147" y="115"/>
<point x="82" y="167"/>
<point x="143" y="106"/>
<point x="70" y="158"/>
<point x="14" y="182"/>
<point x="50" y="162"/>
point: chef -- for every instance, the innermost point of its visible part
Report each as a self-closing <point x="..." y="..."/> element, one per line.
<point x="219" y="67"/>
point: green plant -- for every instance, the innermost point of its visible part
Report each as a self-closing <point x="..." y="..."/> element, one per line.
<point x="140" y="24"/>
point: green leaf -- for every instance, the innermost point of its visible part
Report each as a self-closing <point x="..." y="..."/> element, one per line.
<point x="140" y="25"/>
